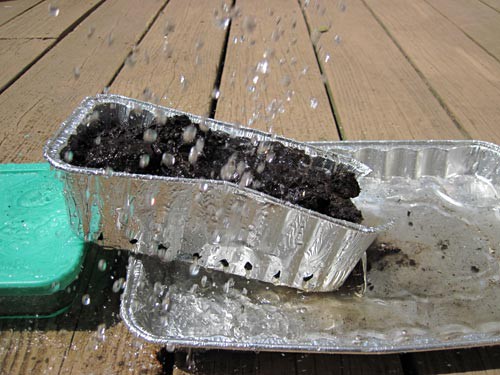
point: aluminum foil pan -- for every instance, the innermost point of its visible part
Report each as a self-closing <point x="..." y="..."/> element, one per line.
<point x="215" y="223"/>
<point x="433" y="279"/>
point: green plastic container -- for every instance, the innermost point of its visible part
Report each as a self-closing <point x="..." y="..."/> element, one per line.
<point x="40" y="256"/>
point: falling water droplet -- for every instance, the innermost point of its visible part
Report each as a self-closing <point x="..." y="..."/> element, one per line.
<point x="90" y="32"/>
<point x="53" y="10"/>
<point x="193" y="155"/>
<point x="144" y="161"/>
<point x="68" y="156"/>
<point x="215" y="93"/>
<point x="249" y="24"/>
<point x="263" y="67"/>
<point x="165" y="303"/>
<point x="76" y="72"/>
<point x="228" y="285"/>
<point x="85" y="300"/>
<point x="168" y="159"/>
<point x="327" y="57"/>
<point x="194" y="269"/>
<point x="110" y="39"/>
<point x="55" y="286"/>
<point x="203" y="281"/>
<point x="313" y="102"/>
<point x="246" y="179"/>
<point x="101" y="332"/>
<point x="102" y="265"/>
<point x="97" y="140"/>
<point x="337" y="39"/>
<point x="200" y="144"/>
<point x="170" y="347"/>
<point x="189" y="134"/>
<point x="118" y="285"/>
<point x="150" y="135"/>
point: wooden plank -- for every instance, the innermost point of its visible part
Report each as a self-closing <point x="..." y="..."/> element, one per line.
<point x="11" y="9"/>
<point x="495" y="4"/>
<point x="477" y="20"/>
<point x="461" y="73"/>
<point x="39" y="23"/>
<point x="17" y="54"/>
<point x="36" y="103"/>
<point x="261" y="28"/>
<point x="182" y="73"/>
<point x="377" y="93"/>
<point x="481" y="361"/>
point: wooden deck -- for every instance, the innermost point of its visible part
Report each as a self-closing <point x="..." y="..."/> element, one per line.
<point x="341" y="69"/>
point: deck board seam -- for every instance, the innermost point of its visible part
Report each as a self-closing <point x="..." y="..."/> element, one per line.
<point x="463" y="31"/>
<point x="433" y="91"/>
<point x="220" y="68"/>
<point x="64" y="33"/>
<point x="29" y="38"/>
<point x="143" y="35"/>
<point x="24" y="11"/>
<point x="489" y="6"/>
<point x="329" y="92"/>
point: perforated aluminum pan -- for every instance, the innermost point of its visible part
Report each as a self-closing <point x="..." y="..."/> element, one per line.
<point x="441" y="290"/>
<point x="175" y="218"/>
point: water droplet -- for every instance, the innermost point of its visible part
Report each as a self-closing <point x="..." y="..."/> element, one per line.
<point x="150" y="135"/>
<point x="246" y="179"/>
<point x="270" y="157"/>
<point x="198" y="60"/>
<point x="168" y="159"/>
<point x="170" y="347"/>
<point x="342" y="6"/>
<point x="199" y="44"/>
<point x="289" y="95"/>
<point x="276" y="34"/>
<point x="118" y="285"/>
<point x="286" y="80"/>
<point x="222" y="22"/>
<point x="183" y="81"/>
<point x="293" y="60"/>
<point x="144" y="161"/>
<point x="304" y="70"/>
<point x="228" y="285"/>
<point x="189" y="134"/>
<point x="313" y="102"/>
<point x="200" y="144"/>
<point x="85" y="300"/>
<point x="97" y="140"/>
<point x="203" y="125"/>
<point x="251" y="88"/>
<point x="315" y="35"/>
<point x="55" y="286"/>
<point x="110" y="39"/>
<point x="169" y="27"/>
<point x="327" y="57"/>
<point x="260" y="168"/>
<point x="249" y="24"/>
<point x="90" y="32"/>
<point x="165" y="303"/>
<point x="102" y="265"/>
<point x="263" y="66"/>
<point x="101" y="331"/>
<point x="53" y="10"/>
<point x="194" y="269"/>
<point x="76" y="72"/>
<point x="68" y="156"/>
<point x="268" y="53"/>
<point x="203" y="281"/>
<point x="337" y="39"/>
<point x="193" y="155"/>
<point x="215" y="93"/>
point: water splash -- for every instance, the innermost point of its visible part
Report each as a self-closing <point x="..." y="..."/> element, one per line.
<point x="85" y="300"/>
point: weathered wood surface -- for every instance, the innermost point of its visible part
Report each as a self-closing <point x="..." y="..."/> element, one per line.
<point x="271" y="69"/>
<point x="401" y="70"/>
<point x="13" y="8"/>
<point x="464" y="76"/>
<point x="376" y="91"/>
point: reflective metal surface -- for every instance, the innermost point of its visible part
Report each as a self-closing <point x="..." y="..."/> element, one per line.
<point x="215" y="223"/>
<point x="433" y="279"/>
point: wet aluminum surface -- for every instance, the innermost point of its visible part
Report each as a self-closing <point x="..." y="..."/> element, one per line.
<point x="227" y="227"/>
<point x="440" y="291"/>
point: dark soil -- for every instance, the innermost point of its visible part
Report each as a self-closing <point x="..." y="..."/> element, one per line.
<point x="281" y="172"/>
